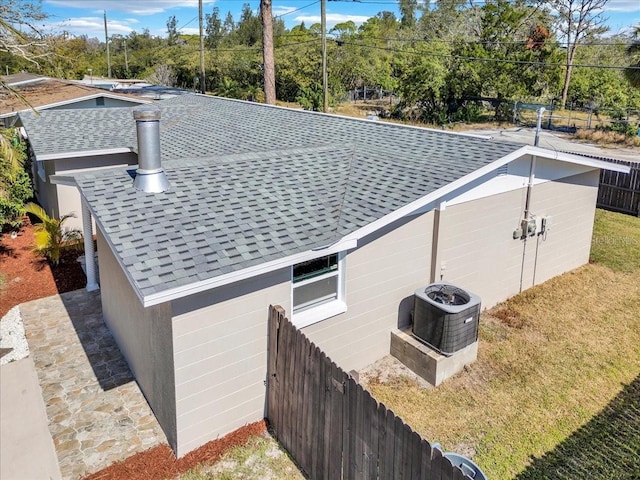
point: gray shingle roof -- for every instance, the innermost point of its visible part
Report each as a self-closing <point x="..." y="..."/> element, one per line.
<point x="252" y="183"/>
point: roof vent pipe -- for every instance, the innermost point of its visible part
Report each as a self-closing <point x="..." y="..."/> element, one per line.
<point x="150" y="176"/>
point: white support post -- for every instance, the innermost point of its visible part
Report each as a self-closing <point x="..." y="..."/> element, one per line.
<point x="89" y="253"/>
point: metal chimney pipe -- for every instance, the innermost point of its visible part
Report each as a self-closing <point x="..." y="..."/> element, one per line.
<point x="150" y="176"/>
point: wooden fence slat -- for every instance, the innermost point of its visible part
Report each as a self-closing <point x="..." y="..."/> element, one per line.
<point x="327" y="418"/>
<point x="358" y="453"/>
<point x="348" y="465"/>
<point x="298" y="386"/>
<point x="406" y="450"/>
<point x="317" y="414"/>
<point x="415" y="445"/>
<point x="398" y="451"/>
<point x="425" y="460"/>
<point x="272" y="353"/>
<point x="383" y="469"/>
<point x="285" y="420"/>
<point x="337" y="378"/>
<point x="436" y="464"/>
<point x="281" y="374"/>
<point x="374" y="436"/>
<point x="303" y="407"/>
<point x="391" y="444"/>
<point x="447" y="469"/>
<point x="370" y="407"/>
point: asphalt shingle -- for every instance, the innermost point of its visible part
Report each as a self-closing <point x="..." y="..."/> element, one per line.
<point x="252" y="183"/>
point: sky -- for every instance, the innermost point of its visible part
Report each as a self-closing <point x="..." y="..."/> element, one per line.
<point x="85" y="17"/>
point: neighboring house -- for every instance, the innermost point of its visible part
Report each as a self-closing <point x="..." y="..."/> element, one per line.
<point x="44" y="93"/>
<point x="338" y="220"/>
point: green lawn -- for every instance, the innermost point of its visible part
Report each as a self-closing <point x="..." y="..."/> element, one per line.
<point x="555" y="392"/>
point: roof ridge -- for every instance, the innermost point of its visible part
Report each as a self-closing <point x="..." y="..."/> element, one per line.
<point x="252" y="155"/>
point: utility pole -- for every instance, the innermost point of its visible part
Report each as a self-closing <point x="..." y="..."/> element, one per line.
<point x="202" y="79"/>
<point x="106" y="40"/>
<point x="323" y="26"/>
<point x="269" y="73"/>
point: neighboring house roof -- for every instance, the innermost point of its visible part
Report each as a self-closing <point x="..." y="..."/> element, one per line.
<point x="256" y="187"/>
<point x="22" y="77"/>
<point x="45" y="93"/>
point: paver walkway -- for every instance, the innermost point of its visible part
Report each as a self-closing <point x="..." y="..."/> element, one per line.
<point x="97" y="414"/>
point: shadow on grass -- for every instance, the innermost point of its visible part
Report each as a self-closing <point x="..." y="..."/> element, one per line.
<point x="607" y="447"/>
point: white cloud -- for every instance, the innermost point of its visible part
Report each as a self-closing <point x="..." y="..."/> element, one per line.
<point x="622" y="6"/>
<point x="91" y="26"/>
<point x="187" y="31"/>
<point x="332" y="19"/>
<point x="134" y="7"/>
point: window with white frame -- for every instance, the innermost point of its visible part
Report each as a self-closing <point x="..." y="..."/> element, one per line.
<point x="318" y="289"/>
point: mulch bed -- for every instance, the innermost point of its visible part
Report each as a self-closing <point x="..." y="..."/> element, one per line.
<point x="27" y="276"/>
<point x="159" y="463"/>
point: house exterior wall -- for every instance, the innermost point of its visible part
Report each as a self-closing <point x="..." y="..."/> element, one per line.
<point x="381" y="276"/>
<point x="67" y="198"/>
<point x="144" y="336"/>
<point x="220" y="348"/>
<point x="201" y="360"/>
<point x="478" y="252"/>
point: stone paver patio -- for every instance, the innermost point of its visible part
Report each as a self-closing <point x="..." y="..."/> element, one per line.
<point x="97" y="414"/>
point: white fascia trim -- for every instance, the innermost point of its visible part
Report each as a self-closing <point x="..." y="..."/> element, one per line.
<point x="63" y="180"/>
<point x="83" y="153"/>
<point x="433" y="196"/>
<point x="201" y="286"/>
<point x="576" y="159"/>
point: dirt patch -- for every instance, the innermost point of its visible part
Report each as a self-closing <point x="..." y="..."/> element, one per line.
<point x="27" y="276"/>
<point x="159" y="463"/>
<point x="390" y="371"/>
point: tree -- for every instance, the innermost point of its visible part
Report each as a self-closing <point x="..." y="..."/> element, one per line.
<point x="408" y="13"/>
<point x="52" y="238"/>
<point x="577" y="20"/>
<point x="163" y="74"/>
<point x="20" y="36"/>
<point x="267" y="52"/>
<point x="633" y="51"/>
<point x="172" y="30"/>
<point x="213" y="29"/>
<point x="15" y="184"/>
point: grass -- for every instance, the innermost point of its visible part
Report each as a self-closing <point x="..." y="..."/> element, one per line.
<point x="261" y="458"/>
<point x="552" y="361"/>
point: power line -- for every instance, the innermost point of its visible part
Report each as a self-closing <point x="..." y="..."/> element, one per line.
<point x="297" y="9"/>
<point x="496" y="60"/>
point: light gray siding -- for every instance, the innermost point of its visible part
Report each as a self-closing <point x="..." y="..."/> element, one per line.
<point x="478" y="252"/>
<point x="144" y="336"/>
<point x="382" y="275"/>
<point x="571" y="202"/>
<point x="220" y="347"/>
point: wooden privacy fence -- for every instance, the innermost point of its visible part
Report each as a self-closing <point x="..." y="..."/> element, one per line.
<point x="620" y="192"/>
<point x="331" y="426"/>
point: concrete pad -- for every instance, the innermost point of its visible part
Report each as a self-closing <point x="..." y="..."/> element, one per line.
<point x="434" y="367"/>
<point x="26" y="446"/>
